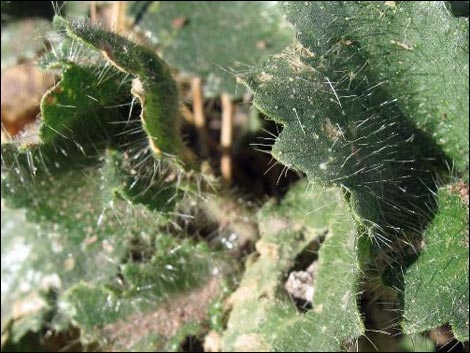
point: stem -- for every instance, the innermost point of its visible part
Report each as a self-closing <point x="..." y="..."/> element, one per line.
<point x="226" y="137"/>
<point x="119" y="16"/>
<point x="93" y="12"/>
<point x="199" y="119"/>
<point x="6" y="136"/>
<point x="187" y="114"/>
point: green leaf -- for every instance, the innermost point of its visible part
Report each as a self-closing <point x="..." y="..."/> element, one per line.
<point x="263" y="317"/>
<point x="81" y="107"/>
<point x="92" y="307"/>
<point x="46" y="257"/>
<point x="167" y="270"/>
<point x="153" y="86"/>
<point x="23" y="40"/>
<point x="341" y="127"/>
<point x="369" y="152"/>
<point x="237" y="35"/>
<point x="365" y="102"/>
<point x="436" y="285"/>
<point x="417" y="343"/>
<point x="78" y="9"/>
<point x="153" y="277"/>
<point x="102" y="273"/>
<point x="82" y="179"/>
<point x="83" y="125"/>
<point x="410" y="54"/>
<point x="23" y="308"/>
<point x="335" y="317"/>
<point x="42" y="172"/>
<point x="150" y="184"/>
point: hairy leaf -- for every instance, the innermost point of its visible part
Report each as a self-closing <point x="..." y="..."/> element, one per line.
<point x="263" y="317"/>
<point x="75" y="126"/>
<point x="19" y="262"/>
<point x="410" y="54"/>
<point x="370" y="152"/>
<point x="154" y="277"/>
<point x="153" y="86"/>
<point x="364" y="100"/>
<point x="342" y="126"/>
<point x="81" y="179"/>
<point x="83" y="116"/>
<point x="436" y="286"/>
<point x="235" y="36"/>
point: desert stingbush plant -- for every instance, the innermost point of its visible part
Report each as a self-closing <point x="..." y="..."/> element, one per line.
<point x="362" y="98"/>
<point x="372" y="98"/>
<point x="85" y="156"/>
